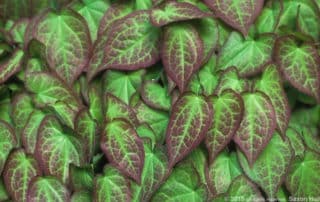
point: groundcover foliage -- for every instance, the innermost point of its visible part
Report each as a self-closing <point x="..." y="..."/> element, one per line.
<point x="159" y="100"/>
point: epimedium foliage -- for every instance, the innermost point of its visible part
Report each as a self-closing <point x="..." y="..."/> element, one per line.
<point x="159" y="100"/>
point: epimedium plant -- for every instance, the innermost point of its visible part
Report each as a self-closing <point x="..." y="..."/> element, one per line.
<point x="159" y="100"/>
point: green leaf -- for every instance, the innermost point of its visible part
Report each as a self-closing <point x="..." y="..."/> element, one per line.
<point x="7" y="142"/>
<point x="156" y="119"/>
<point x="56" y="31"/>
<point x="113" y="14"/>
<point x="144" y="131"/>
<point x="238" y="14"/>
<point x="270" y="169"/>
<point x="132" y="43"/>
<point x="122" y="146"/>
<point x="30" y="131"/>
<point x="299" y="64"/>
<point x="228" y="111"/>
<point x="22" y="107"/>
<point x="222" y="171"/>
<point x="129" y="82"/>
<point x="11" y="65"/>
<point x="87" y="129"/>
<point x="269" y="17"/>
<point x="248" y="55"/>
<point x="182" y="53"/>
<point x="95" y="101"/>
<point x="5" y="110"/>
<point x="154" y="95"/>
<point x="182" y="185"/>
<point x="172" y="11"/>
<point x="206" y="79"/>
<point x="116" y="108"/>
<point x="153" y="174"/>
<point x="302" y="15"/>
<point x="50" y="91"/>
<point x="81" y="196"/>
<point x="81" y="178"/>
<point x="257" y="126"/>
<point x="111" y="186"/>
<point x="230" y="79"/>
<point x="244" y="190"/>
<point x="271" y="85"/>
<point x="48" y="189"/>
<point x="296" y="142"/>
<point x="18" y="29"/>
<point x="56" y="150"/>
<point x="92" y="11"/>
<point x="190" y="120"/>
<point x="19" y="170"/>
<point x="143" y="4"/>
<point x="198" y="158"/>
<point x="303" y="176"/>
<point x="15" y="9"/>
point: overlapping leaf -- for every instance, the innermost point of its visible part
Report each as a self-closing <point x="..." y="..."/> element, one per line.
<point x="56" y="150"/>
<point x="19" y="170"/>
<point x="257" y="126"/>
<point x="11" y="66"/>
<point x="247" y="55"/>
<point x="222" y="171"/>
<point x="228" y="111"/>
<point x="186" y="183"/>
<point x="299" y="64"/>
<point x="172" y="11"/>
<point x="238" y="14"/>
<point x="270" y="168"/>
<point x="124" y="148"/>
<point x="182" y="53"/>
<point x="155" y="96"/>
<point x="111" y="186"/>
<point x="189" y="122"/>
<point x="244" y="190"/>
<point x="303" y="176"/>
<point x="133" y="43"/>
<point x="153" y="174"/>
<point x="271" y="85"/>
<point x="55" y="31"/>
<point x="48" y="189"/>
<point x="7" y="142"/>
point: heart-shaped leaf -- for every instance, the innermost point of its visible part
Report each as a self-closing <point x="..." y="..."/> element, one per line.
<point x="153" y="174"/>
<point x="257" y="126"/>
<point x="121" y="144"/>
<point x="92" y="11"/>
<point x="87" y="129"/>
<point x="19" y="170"/>
<point x="155" y="96"/>
<point x="270" y="169"/>
<point x="111" y="186"/>
<point x="228" y="111"/>
<point x="7" y="142"/>
<point x="11" y="66"/>
<point x="248" y="55"/>
<point x="172" y="11"/>
<point x="271" y="85"/>
<point x="299" y="64"/>
<point x="55" y="31"/>
<point x="30" y="131"/>
<point x="113" y="14"/>
<point x="190" y="120"/>
<point x="181" y="53"/>
<point x="132" y="43"/>
<point x="48" y="189"/>
<point x="54" y="158"/>
<point x="303" y="176"/>
<point x="222" y="171"/>
<point x="242" y="189"/>
<point x="186" y="183"/>
<point x="238" y="14"/>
